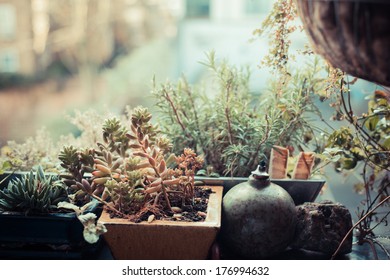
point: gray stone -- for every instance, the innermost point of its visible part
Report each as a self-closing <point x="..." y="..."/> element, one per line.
<point x="322" y="226"/>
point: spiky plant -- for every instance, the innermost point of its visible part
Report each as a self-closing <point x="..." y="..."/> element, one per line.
<point x="33" y="192"/>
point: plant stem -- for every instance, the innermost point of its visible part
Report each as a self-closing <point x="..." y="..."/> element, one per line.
<point x="176" y="113"/>
<point x="109" y="206"/>
<point x="357" y="223"/>
<point x="158" y="175"/>
<point x="227" y="114"/>
<point x="263" y="140"/>
<point x="382" y="247"/>
<point x="372" y="245"/>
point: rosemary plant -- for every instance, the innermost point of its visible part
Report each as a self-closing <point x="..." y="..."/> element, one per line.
<point x="233" y="128"/>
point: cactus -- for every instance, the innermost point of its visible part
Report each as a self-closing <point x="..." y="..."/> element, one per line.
<point x="33" y="192"/>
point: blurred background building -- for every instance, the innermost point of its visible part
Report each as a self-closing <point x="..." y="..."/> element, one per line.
<point x="56" y="56"/>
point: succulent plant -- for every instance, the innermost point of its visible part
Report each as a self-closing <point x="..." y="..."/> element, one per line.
<point x="33" y="192"/>
<point x="78" y="163"/>
<point x="133" y="166"/>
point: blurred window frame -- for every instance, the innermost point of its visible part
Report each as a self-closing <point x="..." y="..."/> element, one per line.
<point x="8" y="21"/>
<point x="9" y="61"/>
<point x="254" y="7"/>
<point x="198" y="8"/>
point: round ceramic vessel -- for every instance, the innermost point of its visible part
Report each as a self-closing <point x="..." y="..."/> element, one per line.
<point x="258" y="219"/>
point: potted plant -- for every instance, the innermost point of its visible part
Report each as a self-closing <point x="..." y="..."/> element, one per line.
<point x="33" y="224"/>
<point x="360" y="146"/>
<point x="152" y="206"/>
<point x="18" y="158"/>
<point x="234" y="129"/>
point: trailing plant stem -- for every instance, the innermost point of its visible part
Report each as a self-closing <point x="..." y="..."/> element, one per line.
<point x="118" y="212"/>
<point x="357" y="223"/>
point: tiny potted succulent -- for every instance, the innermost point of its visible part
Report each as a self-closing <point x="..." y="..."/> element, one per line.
<point x="34" y="225"/>
<point x="152" y="206"/>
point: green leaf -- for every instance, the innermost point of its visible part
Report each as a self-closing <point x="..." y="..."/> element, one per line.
<point x="372" y="122"/>
<point x="386" y="143"/>
<point x="349" y="163"/>
<point x="6" y="165"/>
<point x="201" y="172"/>
<point x="358" y="153"/>
<point x="40" y="174"/>
<point x="5" y="205"/>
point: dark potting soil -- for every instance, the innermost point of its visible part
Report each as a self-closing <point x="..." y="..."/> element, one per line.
<point x="194" y="211"/>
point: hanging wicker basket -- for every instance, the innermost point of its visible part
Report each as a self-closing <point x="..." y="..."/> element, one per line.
<point x="353" y="35"/>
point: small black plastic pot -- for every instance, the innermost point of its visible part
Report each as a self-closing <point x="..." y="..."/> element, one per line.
<point x="46" y="235"/>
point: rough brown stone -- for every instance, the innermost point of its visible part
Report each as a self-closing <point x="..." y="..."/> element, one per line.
<point x="322" y="226"/>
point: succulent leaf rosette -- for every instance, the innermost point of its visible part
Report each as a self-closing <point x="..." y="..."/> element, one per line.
<point x="134" y="173"/>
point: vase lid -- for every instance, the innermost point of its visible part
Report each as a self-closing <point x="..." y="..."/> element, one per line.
<point x="261" y="172"/>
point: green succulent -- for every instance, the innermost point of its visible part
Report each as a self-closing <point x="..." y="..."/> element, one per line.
<point x="76" y="163"/>
<point x="33" y="192"/>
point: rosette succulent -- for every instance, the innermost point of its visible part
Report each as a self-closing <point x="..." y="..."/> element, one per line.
<point x="33" y="192"/>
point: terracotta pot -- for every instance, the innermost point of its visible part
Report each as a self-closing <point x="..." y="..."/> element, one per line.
<point x="352" y="35"/>
<point x="159" y="240"/>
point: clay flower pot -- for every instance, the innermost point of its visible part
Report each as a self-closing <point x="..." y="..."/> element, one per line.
<point x="164" y="239"/>
<point x="352" y="35"/>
